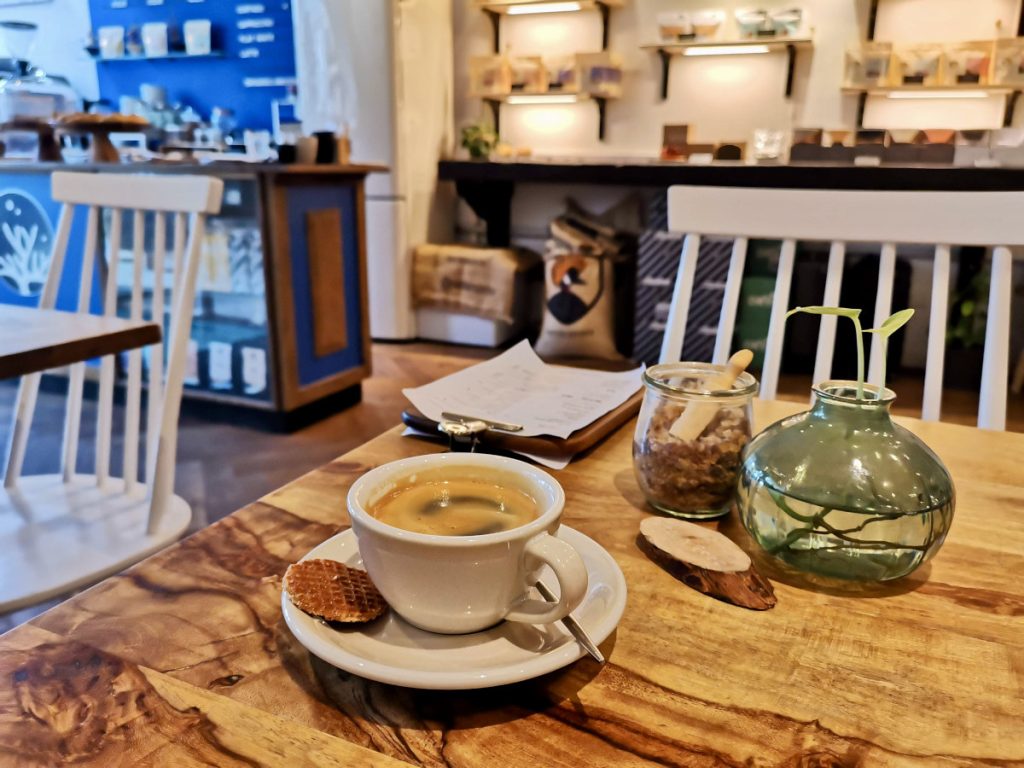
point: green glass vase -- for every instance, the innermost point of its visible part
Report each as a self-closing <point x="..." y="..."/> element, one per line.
<point x="842" y="491"/>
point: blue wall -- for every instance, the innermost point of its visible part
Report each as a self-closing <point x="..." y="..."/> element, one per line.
<point x="231" y="80"/>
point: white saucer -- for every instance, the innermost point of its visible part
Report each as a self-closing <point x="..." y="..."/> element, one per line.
<point x="391" y="651"/>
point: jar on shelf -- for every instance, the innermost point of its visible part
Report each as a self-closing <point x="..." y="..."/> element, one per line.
<point x="689" y="439"/>
<point x="842" y="491"/>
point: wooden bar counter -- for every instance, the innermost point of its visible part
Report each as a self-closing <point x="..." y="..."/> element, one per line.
<point x="185" y="660"/>
<point x="281" y="332"/>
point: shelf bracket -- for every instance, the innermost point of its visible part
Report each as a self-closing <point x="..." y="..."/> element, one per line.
<point x="495" y="18"/>
<point x="872" y="19"/>
<point x="1011" y="107"/>
<point x="495" y="106"/>
<point x="862" y="100"/>
<point x="790" y="68"/>
<point x="602" y="103"/>
<point x="605" y="13"/>
<point x="666" y="61"/>
<point x="492" y="202"/>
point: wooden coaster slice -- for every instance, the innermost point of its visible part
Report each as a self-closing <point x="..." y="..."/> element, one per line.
<point x="333" y="591"/>
<point x="706" y="561"/>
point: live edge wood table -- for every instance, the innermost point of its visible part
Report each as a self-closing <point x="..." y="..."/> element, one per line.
<point x="33" y="340"/>
<point x="184" y="659"/>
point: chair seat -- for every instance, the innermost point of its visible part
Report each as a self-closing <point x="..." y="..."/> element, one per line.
<point x="57" y="536"/>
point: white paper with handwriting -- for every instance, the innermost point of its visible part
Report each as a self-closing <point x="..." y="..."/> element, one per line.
<point x="519" y="387"/>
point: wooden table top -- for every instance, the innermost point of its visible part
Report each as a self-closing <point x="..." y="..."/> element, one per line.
<point x="39" y="339"/>
<point x="185" y="659"/>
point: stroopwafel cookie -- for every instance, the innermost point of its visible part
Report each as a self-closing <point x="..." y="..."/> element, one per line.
<point x="333" y="591"/>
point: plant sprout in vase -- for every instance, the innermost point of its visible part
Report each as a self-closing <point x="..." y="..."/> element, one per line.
<point x="841" y="490"/>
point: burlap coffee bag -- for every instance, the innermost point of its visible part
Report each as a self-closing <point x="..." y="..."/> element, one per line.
<point x="579" y="318"/>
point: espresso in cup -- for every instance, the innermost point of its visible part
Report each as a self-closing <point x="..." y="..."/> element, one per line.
<point x="455" y="542"/>
<point x="451" y="504"/>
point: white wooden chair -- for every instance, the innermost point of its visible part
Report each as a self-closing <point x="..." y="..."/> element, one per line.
<point x="60" y="532"/>
<point x="941" y="219"/>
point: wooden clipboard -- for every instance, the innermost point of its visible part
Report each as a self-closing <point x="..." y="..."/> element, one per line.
<point x="542" y="445"/>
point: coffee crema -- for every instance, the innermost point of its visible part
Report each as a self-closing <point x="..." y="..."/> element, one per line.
<point x="455" y="506"/>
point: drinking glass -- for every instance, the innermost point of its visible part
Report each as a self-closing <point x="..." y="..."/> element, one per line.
<point x="767" y="144"/>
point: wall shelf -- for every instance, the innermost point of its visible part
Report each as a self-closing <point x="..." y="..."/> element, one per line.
<point x="729" y="47"/>
<point x="495" y="9"/>
<point x="935" y="92"/>
<point x="873" y="20"/>
<point x="175" y="55"/>
<point x="553" y="97"/>
<point x="930" y="91"/>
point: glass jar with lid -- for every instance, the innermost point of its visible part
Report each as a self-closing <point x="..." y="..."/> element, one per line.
<point x="690" y="437"/>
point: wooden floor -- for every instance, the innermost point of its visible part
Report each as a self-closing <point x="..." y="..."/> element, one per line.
<point x="222" y="467"/>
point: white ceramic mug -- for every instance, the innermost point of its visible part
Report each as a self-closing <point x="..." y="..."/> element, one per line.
<point x="257" y="144"/>
<point x="305" y="150"/>
<point x="154" y="39"/>
<point x="457" y="584"/>
<point x="197" y="37"/>
<point x="111" y="42"/>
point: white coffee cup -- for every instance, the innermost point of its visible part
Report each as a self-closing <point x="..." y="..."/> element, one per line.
<point x="154" y="39"/>
<point x="197" y="37"/>
<point x="111" y="41"/>
<point x="458" y="584"/>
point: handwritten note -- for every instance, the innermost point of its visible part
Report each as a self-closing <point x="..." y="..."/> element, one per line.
<point x="519" y="387"/>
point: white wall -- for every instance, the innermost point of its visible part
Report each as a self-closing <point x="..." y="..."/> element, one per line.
<point x="59" y="49"/>
<point x="726" y="98"/>
<point x="722" y="98"/>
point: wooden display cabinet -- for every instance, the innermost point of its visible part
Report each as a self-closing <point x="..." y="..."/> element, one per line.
<point x="280" y="331"/>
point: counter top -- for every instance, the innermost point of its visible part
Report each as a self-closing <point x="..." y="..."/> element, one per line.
<point x="655" y="173"/>
<point x="276" y="169"/>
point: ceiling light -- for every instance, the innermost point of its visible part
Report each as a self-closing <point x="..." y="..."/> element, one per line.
<point x="725" y="50"/>
<point x="543" y="98"/>
<point x="939" y="94"/>
<point x="520" y="10"/>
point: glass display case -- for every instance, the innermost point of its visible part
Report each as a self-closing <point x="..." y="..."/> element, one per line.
<point x="280" y="325"/>
<point x="230" y="340"/>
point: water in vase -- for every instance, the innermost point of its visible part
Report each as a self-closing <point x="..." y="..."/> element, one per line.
<point x="840" y="543"/>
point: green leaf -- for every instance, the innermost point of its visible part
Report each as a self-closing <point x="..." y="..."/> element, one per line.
<point x="853" y="315"/>
<point x="841" y="311"/>
<point x="892" y="323"/>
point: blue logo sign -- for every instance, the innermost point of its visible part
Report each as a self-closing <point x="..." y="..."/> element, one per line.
<point x="26" y="237"/>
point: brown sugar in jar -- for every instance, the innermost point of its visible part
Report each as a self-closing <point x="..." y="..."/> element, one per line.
<point x="692" y="478"/>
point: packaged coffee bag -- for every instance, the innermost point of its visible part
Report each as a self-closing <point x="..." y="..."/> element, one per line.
<point x="579" y="318"/>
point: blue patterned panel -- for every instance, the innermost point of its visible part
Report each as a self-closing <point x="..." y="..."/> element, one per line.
<point x="299" y="202"/>
<point x="657" y="264"/>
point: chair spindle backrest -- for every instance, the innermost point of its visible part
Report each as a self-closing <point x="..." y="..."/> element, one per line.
<point x="839" y="217"/>
<point x="180" y="204"/>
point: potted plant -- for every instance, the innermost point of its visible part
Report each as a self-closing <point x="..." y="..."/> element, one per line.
<point x="841" y="490"/>
<point x="479" y="139"/>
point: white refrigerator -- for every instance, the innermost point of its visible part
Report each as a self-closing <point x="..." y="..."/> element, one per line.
<point x="384" y="68"/>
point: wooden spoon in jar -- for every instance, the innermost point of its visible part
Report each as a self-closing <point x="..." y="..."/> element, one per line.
<point x="695" y="419"/>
